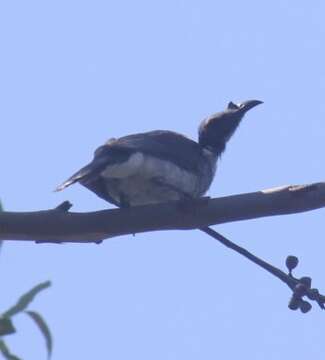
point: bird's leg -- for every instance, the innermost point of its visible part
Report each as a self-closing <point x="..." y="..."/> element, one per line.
<point x="123" y="203"/>
<point x="185" y="200"/>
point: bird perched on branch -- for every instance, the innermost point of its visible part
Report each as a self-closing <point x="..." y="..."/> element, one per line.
<point x="159" y="166"/>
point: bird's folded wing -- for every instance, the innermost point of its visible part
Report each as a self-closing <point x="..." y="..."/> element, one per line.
<point x="165" y="145"/>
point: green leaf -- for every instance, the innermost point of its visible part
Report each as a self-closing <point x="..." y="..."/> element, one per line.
<point x="40" y="322"/>
<point x="6" y="326"/>
<point x="26" y="299"/>
<point x="6" y="352"/>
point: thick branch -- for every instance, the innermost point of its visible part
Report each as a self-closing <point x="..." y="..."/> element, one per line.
<point x="58" y="225"/>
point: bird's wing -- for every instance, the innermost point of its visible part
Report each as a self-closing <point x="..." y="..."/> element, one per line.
<point x="87" y="172"/>
<point x="165" y="145"/>
<point x="104" y="156"/>
<point x="97" y="185"/>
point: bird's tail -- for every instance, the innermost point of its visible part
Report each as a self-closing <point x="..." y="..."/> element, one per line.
<point x="83" y="175"/>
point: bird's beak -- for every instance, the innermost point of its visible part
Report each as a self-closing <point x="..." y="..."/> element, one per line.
<point x="249" y="104"/>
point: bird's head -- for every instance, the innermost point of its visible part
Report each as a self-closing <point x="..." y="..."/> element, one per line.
<point x="217" y="129"/>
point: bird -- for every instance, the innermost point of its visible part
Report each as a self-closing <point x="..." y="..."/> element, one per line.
<point x="160" y="165"/>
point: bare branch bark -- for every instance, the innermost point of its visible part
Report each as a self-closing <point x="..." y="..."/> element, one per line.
<point x="59" y="225"/>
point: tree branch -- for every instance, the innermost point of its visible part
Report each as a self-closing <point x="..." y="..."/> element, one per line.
<point x="59" y="225"/>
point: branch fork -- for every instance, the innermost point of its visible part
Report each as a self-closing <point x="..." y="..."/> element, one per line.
<point x="59" y="225"/>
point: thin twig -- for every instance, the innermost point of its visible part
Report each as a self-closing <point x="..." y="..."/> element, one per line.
<point x="300" y="287"/>
<point x="256" y="260"/>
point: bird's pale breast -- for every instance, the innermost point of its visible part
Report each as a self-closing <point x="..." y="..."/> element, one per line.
<point x="144" y="179"/>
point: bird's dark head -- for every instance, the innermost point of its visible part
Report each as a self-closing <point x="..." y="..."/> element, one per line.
<point x="217" y="129"/>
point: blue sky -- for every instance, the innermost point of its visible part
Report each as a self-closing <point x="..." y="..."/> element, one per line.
<point x="75" y="73"/>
